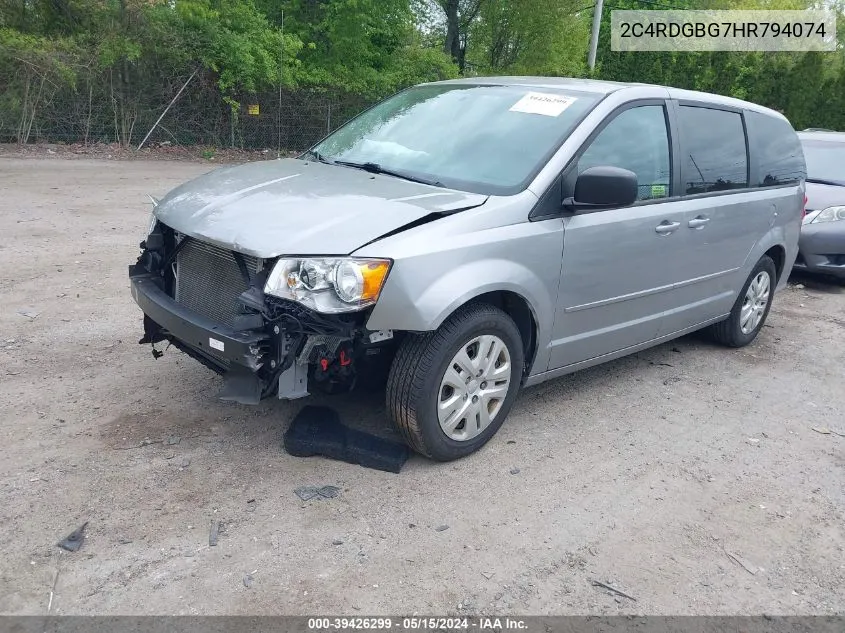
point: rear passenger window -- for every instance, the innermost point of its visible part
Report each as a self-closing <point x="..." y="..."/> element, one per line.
<point x="637" y="140"/>
<point x="778" y="150"/>
<point x="715" y="156"/>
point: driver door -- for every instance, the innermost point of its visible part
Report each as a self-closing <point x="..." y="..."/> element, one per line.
<point x="620" y="265"/>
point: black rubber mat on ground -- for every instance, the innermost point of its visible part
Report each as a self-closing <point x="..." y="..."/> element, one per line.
<point x="319" y="431"/>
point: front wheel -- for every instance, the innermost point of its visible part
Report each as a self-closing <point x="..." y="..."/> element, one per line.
<point x="450" y="390"/>
<point x="751" y="307"/>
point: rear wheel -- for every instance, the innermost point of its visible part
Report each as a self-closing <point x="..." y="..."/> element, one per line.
<point x="751" y="308"/>
<point x="449" y="391"/>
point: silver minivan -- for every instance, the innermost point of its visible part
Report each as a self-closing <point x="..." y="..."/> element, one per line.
<point x="463" y="239"/>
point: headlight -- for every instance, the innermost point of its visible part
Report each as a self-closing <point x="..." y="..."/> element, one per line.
<point x="831" y="214"/>
<point x="329" y="284"/>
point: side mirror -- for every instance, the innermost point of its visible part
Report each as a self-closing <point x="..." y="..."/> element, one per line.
<point x="603" y="188"/>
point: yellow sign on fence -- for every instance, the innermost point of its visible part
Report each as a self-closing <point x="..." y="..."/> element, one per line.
<point x="253" y="109"/>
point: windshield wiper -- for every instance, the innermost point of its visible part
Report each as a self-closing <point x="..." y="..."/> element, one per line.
<point x="821" y="181"/>
<point x="375" y="168"/>
<point x="319" y="157"/>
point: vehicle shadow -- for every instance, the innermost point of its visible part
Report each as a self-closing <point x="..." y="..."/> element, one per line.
<point x="820" y="283"/>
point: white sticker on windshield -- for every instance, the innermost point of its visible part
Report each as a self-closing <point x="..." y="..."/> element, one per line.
<point x="542" y="103"/>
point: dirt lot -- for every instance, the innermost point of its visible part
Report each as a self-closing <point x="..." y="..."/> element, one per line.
<point x="645" y="473"/>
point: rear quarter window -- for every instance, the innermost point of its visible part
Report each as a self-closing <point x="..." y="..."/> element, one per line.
<point x="714" y="153"/>
<point x="775" y="144"/>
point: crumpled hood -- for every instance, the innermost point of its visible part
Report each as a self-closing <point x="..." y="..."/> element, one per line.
<point x="296" y="207"/>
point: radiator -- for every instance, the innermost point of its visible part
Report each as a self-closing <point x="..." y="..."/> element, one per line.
<point x="209" y="280"/>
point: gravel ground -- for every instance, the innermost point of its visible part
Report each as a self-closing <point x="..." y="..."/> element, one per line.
<point x="688" y="476"/>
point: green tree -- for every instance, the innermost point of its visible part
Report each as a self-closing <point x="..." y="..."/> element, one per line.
<point x="807" y="87"/>
<point x="529" y="37"/>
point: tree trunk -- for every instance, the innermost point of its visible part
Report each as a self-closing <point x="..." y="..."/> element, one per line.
<point x="452" y="45"/>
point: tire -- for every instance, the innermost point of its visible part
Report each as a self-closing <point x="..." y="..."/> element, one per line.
<point x="416" y="386"/>
<point x="730" y="331"/>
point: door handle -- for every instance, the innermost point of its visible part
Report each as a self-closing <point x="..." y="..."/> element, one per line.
<point x="666" y="227"/>
<point x="698" y="222"/>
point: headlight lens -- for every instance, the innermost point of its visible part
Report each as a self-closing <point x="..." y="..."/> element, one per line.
<point x="831" y="214"/>
<point x="329" y="284"/>
<point x="348" y="282"/>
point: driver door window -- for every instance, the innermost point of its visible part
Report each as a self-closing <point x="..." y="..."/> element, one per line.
<point x="637" y="139"/>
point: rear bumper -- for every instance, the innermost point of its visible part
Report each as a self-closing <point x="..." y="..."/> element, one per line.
<point x="220" y="345"/>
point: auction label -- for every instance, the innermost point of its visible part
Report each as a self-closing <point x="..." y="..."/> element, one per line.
<point x="543" y="103"/>
<point x="415" y="623"/>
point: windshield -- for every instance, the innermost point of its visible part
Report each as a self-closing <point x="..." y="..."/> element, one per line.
<point x="825" y="160"/>
<point x="483" y="139"/>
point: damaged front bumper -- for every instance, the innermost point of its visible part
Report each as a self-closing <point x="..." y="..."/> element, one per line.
<point x="221" y="346"/>
<point x="270" y="346"/>
<point x="242" y="357"/>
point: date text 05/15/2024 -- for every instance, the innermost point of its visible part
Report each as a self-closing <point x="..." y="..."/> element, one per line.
<point x="416" y="624"/>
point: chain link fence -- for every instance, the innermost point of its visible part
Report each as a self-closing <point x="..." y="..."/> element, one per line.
<point x="98" y="108"/>
<point x="292" y="121"/>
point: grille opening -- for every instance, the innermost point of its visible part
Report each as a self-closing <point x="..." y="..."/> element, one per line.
<point x="209" y="281"/>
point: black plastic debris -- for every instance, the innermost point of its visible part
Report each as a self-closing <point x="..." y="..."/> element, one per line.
<point x="240" y="386"/>
<point x="73" y="541"/>
<point x="318" y="431"/>
<point x="307" y="493"/>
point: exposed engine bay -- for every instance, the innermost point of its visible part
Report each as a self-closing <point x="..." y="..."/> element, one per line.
<point x="209" y="302"/>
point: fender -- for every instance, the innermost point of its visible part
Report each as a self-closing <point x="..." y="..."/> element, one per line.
<point x="459" y="286"/>
<point x="426" y="310"/>
<point x="431" y="276"/>
<point x="508" y="276"/>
